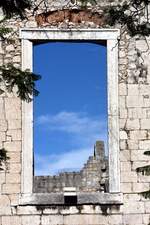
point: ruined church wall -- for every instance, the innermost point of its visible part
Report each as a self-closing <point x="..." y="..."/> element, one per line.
<point x="134" y="122"/>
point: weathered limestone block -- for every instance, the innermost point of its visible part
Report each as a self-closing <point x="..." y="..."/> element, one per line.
<point x="135" y="207"/>
<point x="4" y="205"/>
<point x="146" y="218"/>
<point x="145" y="144"/>
<point x="2" y="112"/>
<point x="28" y="210"/>
<point x="134" y="101"/>
<point x="10" y="48"/>
<point x="131" y="197"/>
<point x="14" y="124"/>
<point x="5" y="210"/>
<point x="145" y="123"/>
<point x="123" y="113"/>
<point x="138" y="156"/>
<point x="13" y="108"/>
<point x="122" y="89"/>
<point x="14" y="146"/>
<point x="72" y="210"/>
<point x="140" y="187"/>
<point x="2" y="136"/>
<point x="133" y="89"/>
<point x="133" y="144"/>
<point x="125" y="155"/>
<point x="13" y="178"/>
<point x="123" y="135"/>
<point x="52" y="219"/>
<point x="2" y="178"/>
<point x="122" y="123"/>
<point x="122" y="102"/>
<point x="15" y="168"/>
<point x="3" y="125"/>
<point x="125" y="166"/>
<point x="147" y="207"/>
<point x="138" y="134"/>
<point x="128" y="177"/>
<point x="123" y="144"/>
<point x="15" y="134"/>
<point x="4" y="200"/>
<point x="11" y="220"/>
<point x="14" y="157"/>
<point x="130" y="219"/>
<point x="115" y="219"/>
<point x="132" y="124"/>
<point x="14" y="199"/>
<point x="144" y="89"/>
<point x="85" y="219"/>
<point x="135" y="113"/>
<point x="16" y="59"/>
<point x="126" y="187"/>
<point x="28" y="220"/>
<point x="11" y="188"/>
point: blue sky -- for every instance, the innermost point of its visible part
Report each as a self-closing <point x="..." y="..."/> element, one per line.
<point x="70" y="113"/>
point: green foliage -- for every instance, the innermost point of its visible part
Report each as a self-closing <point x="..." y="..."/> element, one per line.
<point x="3" y="158"/>
<point x="146" y="194"/>
<point x="4" y="31"/>
<point x="11" y="7"/>
<point x="147" y="153"/>
<point x="24" y="80"/>
<point x="124" y="15"/>
<point x="145" y="170"/>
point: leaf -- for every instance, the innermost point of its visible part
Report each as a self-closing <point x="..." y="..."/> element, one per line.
<point x="24" y="80"/>
<point x="145" y="170"/>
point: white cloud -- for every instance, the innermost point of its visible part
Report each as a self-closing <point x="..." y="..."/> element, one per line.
<point x="72" y="122"/>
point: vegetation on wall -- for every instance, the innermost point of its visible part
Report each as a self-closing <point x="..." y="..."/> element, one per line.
<point x="10" y="76"/>
<point x="145" y="170"/>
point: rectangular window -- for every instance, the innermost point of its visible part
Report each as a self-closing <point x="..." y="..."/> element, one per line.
<point x="70" y="116"/>
<point x="94" y="37"/>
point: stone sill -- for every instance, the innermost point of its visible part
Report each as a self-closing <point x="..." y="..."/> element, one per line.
<point x="83" y="198"/>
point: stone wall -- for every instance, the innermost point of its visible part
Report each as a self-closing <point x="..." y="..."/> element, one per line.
<point x="134" y="121"/>
<point x="92" y="177"/>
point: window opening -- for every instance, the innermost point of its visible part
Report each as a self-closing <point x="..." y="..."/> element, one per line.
<point x="70" y="116"/>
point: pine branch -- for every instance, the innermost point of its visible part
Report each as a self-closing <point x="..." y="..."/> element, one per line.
<point x="4" y="31"/>
<point x="147" y="153"/>
<point x="11" y="7"/>
<point x="24" y="80"/>
<point x="145" y="194"/>
<point x="3" y="158"/>
<point x="145" y="170"/>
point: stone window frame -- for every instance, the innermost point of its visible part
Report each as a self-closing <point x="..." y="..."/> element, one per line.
<point x="28" y="36"/>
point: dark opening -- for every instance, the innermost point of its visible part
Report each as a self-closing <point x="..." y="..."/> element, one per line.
<point x="70" y="200"/>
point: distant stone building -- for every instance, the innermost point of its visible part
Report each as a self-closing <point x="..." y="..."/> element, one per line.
<point x="92" y="177"/>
